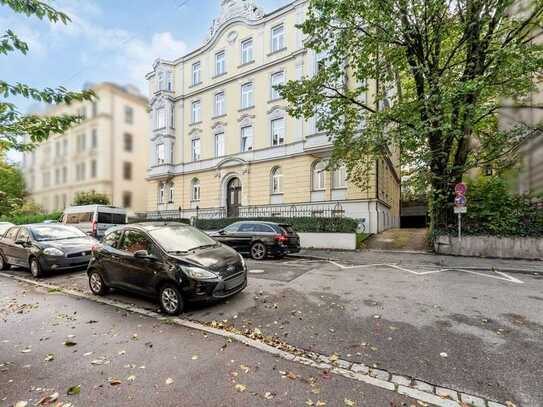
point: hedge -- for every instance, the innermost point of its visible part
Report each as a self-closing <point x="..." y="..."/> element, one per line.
<point x="300" y="224"/>
<point x="24" y="219"/>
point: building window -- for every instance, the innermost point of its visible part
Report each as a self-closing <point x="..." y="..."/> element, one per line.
<point x="318" y="175"/>
<point x="339" y="177"/>
<point x="65" y="147"/>
<point x="160" y="154"/>
<point x="128" y="142"/>
<point x="127" y="199"/>
<point x="246" y="138"/>
<point x="219" y="144"/>
<point x="277" y="38"/>
<point x="94" y="138"/>
<point x="196" y="73"/>
<point x="161" y="193"/>
<point x="195" y="149"/>
<point x="195" y="184"/>
<point x="171" y="192"/>
<point x="64" y="175"/>
<point x="220" y="63"/>
<point x="57" y="176"/>
<point x="195" y="112"/>
<point x="160" y="79"/>
<point x="160" y="118"/>
<point x="277" y="131"/>
<point x="128" y="115"/>
<point x="169" y="81"/>
<point x="277" y="79"/>
<point x="57" y="149"/>
<point x="127" y="171"/>
<point x="94" y="169"/>
<point x="172" y="116"/>
<point x="94" y="109"/>
<point x="81" y="143"/>
<point x="247" y="95"/>
<point x="247" y="51"/>
<point x="276" y="180"/>
<point x="219" y="104"/>
<point x="82" y="112"/>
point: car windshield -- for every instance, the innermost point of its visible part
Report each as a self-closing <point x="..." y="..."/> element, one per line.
<point x="4" y="227"/>
<point x="180" y="239"/>
<point x="55" y="232"/>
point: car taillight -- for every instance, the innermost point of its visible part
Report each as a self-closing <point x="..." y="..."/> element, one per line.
<point x="94" y="247"/>
<point x="94" y="228"/>
<point x="280" y="238"/>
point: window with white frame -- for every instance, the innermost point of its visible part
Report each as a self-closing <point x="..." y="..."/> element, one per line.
<point x="93" y="169"/>
<point x="171" y="192"/>
<point x="64" y="175"/>
<point x="277" y="79"/>
<point x="247" y="51"/>
<point x="277" y="131"/>
<point x="339" y="177"/>
<point x="219" y="104"/>
<point x="195" y="112"/>
<point x="172" y="116"/>
<point x="57" y="149"/>
<point x="247" y="95"/>
<point x="128" y="115"/>
<point x="160" y="118"/>
<point x="195" y="189"/>
<point x="94" y="138"/>
<point x="160" y="153"/>
<point x="65" y="147"/>
<point x="220" y="63"/>
<point x="246" y="138"/>
<point x="277" y="38"/>
<point x="161" y="188"/>
<point x="276" y="180"/>
<point x="169" y="81"/>
<point x="219" y="144"/>
<point x="161" y="81"/>
<point x="319" y="169"/>
<point x="196" y="73"/>
<point x="195" y="149"/>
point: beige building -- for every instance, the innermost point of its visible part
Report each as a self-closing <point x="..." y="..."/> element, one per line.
<point x="222" y="144"/>
<point x="105" y="153"/>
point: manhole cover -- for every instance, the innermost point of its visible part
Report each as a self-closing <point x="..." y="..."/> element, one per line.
<point x="256" y="271"/>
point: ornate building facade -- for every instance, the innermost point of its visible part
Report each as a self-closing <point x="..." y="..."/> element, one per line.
<point x="222" y="143"/>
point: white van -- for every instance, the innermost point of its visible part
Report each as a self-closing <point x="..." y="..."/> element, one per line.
<point x="94" y="220"/>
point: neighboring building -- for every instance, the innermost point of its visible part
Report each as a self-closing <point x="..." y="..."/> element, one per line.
<point x="223" y="144"/>
<point x="105" y="153"/>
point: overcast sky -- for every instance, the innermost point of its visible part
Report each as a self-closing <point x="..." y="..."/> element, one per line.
<point x="107" y="40"/>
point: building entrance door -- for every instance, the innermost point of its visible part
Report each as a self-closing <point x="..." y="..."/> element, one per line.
<point x="233" y="197"/>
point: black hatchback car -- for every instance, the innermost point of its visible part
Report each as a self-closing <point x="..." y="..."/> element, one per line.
<point x="45" y="247"/>
<point x="174" y="262"/>
<point x="259" y="239"/>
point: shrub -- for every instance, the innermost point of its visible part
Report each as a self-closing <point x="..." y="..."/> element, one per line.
<point x="23" y="219"/>
<point x="91" y="198"/>
<point x="301" y="224"/>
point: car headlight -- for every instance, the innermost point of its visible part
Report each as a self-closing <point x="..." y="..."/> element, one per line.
<point x="198" y="274"/>
<point x="53" y="251"/>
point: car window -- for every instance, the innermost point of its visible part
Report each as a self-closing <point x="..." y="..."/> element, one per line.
<point x="112" y="238"/>
<point x="247" y="227"/>
<point x="111" y="218"/>
<point x="287" y="228"/>
<point x="23" y="234"/>
<point x="12" y="233"/>
<point x="264" y="229"/>
<point x="234" y="227"/>
<point x="82" y="217"/>
<point x="134" y="240"/>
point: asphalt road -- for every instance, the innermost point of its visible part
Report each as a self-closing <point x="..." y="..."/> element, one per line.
<point x="469" y="329"/>
<point x="122" y="359"/>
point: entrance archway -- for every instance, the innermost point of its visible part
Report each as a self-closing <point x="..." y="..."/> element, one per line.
<point x="233" y="197"/>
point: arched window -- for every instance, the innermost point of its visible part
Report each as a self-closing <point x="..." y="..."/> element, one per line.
<point x="339" y="177"/>
<point x="318" y="175"/>
<point x="276" y="180"/>
<point x="161" y="187"/>
<point x="171" y="192"/>
<point x="195" y="188"/>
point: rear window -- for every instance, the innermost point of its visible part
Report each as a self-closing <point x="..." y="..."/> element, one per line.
<point x="82" y="217"/>
<point x="287" y="228"/>
<point x="111" y="218"/>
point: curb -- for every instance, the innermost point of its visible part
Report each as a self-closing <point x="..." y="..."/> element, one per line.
<point x="404" y="385"/>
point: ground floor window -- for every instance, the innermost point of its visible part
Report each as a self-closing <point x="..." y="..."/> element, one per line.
<point x="195" y="189"/>
<point x="276" y="178"/>
<point x="319" y="168"/>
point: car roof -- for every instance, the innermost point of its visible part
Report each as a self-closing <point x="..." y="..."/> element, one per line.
<point x="147" y="226"/>
<point x="261" y="222"/>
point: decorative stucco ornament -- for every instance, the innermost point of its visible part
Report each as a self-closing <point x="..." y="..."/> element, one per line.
<point x="247" y="9"/>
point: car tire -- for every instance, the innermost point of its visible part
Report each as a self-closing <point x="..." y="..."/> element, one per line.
<point x="170" y="299"/>
<point x="258" y="251"/>
<point x="3" y="264"/>
<point x="35" y="268"/>
<point x="96" y="284"/>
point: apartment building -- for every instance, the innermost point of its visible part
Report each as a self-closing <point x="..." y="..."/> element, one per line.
<point x="106" y="152"/>
<point x="222" y="143"/>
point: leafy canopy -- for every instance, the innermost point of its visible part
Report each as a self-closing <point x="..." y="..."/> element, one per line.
<point x="90" y="198"/>
<point x="23" y="132"/>
<point x="428" y="76"/>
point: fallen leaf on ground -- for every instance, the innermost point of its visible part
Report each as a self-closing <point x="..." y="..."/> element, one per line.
<point x="268" y="395"/>
<point x="26" y="350"/>
<point x="73" y="390"/>
<point x="122" y="352"/>
<point x="69" y="343"/>
<point x="320" y="403"/>
<point x="348" y="402"/>
<point x="240" y="387"/>
<point x="443" y="354"/>
<point x="195" y="357"/>
<point x="291" y="375"/>
<point x="131" y="378"/>
<point x="114" y="382"/>
<point x="47" y="399"/>
<point x="244" y="368"/>
<point x="87" y="354"/>
<point x="21" y="404"/>
<point x="169" y="381"/>
<point x="309" y="402"/>
<point x="49" y="357"/>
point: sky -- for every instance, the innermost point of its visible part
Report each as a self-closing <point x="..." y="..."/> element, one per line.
<point x="107" y="40"/>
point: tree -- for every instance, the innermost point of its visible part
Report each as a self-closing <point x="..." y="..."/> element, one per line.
<point x="22" y="132"/>
<point x="90" y="198"/>
<point x="437" y="71"/>
<point x="12" y="188"/>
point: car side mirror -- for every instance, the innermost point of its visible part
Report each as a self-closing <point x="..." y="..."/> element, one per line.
<point x="141" y="254"/>
<point x="21" y="242"/>
<point x="221" y="232"/>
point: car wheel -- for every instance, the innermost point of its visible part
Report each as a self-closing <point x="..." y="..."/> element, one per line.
<point x="96" y="284"/>
<point x="35" y="268"/>
<point x="258" y="251"/>
<point x="170" y="299"/>
<point x="3" y="264"/>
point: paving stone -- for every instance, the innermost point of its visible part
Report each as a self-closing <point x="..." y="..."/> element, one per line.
<point x="443" y="392"/>
<point x="472" y="400"/>
<point x="359" y="368"/>
<point x="426" y="397"/>
<point x="343" y="364"/>
<point x="423" y="386"/>
<point x="380" y="374"/>
<point x="406" y="381"/>
<point x="494" y="404"/>
<point x="324" y="359"/>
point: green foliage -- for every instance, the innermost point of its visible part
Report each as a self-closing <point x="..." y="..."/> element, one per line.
<point x="301" y="224"/>
<point x="493" y="210"/>
<point x="23" y="219"/>
<point x="12" y="188"/>
<point x="427" y="76"/>
<point x="35" y="128"/>
<point x="91" y="198"/>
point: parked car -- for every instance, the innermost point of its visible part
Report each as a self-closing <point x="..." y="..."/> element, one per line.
<point x="94" y="220"/>
<point x="45" y="247"/>
<point x="4" y="226"/>
<point x="174" y="262"/>
<point x="259" y="239"/>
